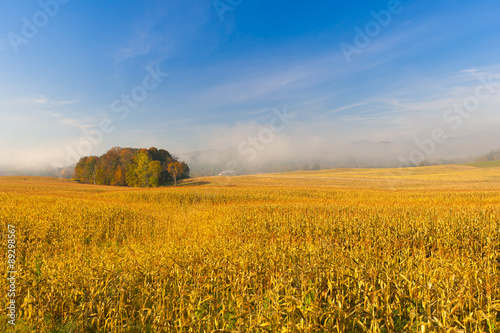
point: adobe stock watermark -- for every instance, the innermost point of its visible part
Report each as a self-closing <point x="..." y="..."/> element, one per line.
<point x="122" y="108"/>
<point x="11" y="273"/>
<point x="32" y="26"/>
<point x="250" y="147"/>
<point x="454" y="117"/>
<point x="372" y="29"/>
<point x="224" y="6"/>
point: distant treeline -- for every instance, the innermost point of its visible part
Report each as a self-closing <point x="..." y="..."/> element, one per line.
<point x="493" y="155"/>
<point x="63" y="172"/>
<point x="131" y="167"/>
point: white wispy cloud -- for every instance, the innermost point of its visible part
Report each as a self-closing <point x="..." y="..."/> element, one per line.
<point x="343" y="108"/>
<point x="38" y="100"/>
<point x="77" y="123"/>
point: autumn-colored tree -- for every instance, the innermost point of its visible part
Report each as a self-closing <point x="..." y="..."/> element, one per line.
<point x="119" y="178"/>
<point x="131" y="176"/>
<point x="142" y="171"/>
<point x="176" y="169"/>
<point x="154" y="173"/>
<point x="79" y="169"/>
<point x="85" y="170"/>
<point x="185" y="171"/>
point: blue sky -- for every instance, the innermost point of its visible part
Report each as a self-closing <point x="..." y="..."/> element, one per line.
<point x="226" y="76"/>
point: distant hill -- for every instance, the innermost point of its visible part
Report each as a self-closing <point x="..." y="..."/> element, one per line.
<point x="489" y="160"/>
<point x="486" y="164"/>
<point x="375" y="155"/>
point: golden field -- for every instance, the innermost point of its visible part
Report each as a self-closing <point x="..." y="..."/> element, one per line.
<point x="365" y="250"/>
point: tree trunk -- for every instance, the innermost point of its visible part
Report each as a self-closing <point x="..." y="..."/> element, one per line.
<point x="175" y="180"/>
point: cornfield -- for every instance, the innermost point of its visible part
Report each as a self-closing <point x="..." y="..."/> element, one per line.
<point x="314" y="252"/>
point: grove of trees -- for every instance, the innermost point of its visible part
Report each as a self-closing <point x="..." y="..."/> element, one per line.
<point x="131" y="167"/>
